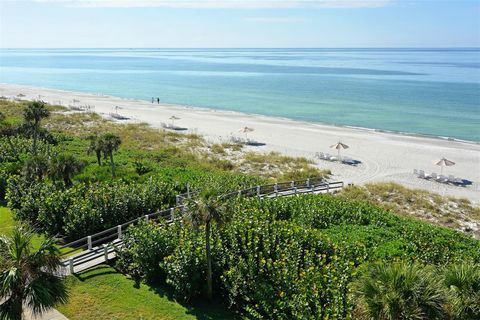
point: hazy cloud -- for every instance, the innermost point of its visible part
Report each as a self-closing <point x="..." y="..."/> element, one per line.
<point x="224" y="4"/>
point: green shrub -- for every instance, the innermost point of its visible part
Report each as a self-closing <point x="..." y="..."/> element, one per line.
<point x="401" y="292"/>
<point x="185" y="267"/>
<point x="145" y="247"/>
<point x="276" y="269"/>
<point x="463" y="284"/>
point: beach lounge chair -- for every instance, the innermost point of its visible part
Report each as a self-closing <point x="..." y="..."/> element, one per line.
<point x="442" y="178"/>
<point x="421" y="174"/>
<point x="434" y="175"/>
<point x="415" y="172"/>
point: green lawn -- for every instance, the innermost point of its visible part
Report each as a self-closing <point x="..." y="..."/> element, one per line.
<point x="7" y="223"/>
<point x="103" y="293"/>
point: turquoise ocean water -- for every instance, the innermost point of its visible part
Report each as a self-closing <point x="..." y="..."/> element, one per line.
<point x="423" y="91"/>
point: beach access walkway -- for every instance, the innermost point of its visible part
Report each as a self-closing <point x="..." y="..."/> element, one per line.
<point x="99" y="248"/>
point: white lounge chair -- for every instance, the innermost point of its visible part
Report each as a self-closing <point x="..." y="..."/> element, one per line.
<point x="415" y="172"/>
<point x="442" y="178"/>
<point x="422" y="174"/>
<point x="433" y="175"/>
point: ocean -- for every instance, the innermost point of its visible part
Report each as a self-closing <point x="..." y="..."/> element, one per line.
<point x="419" y="91"/>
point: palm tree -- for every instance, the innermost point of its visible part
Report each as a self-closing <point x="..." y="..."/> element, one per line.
<point x="27" y="276"/>
<point x="463" y="283"/>
<point x="64" y="167"/>
<point x="35" y="168"/>
<point x="401" y="291"/>
<point x="96" y="147"/>
<point x="8" y="130"/>
<point x="33" y="115"/>
<point x="110" y="143"/>
<point x="203" y="212"/>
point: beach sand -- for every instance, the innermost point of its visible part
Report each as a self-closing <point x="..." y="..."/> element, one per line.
<point x="384" y="156"/>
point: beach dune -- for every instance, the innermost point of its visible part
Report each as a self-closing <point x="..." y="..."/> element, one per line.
<point x="383" y="156"/>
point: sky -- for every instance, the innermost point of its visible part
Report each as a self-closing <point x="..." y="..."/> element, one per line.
<point x="238" y="23"/>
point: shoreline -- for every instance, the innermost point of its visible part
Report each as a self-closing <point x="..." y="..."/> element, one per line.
<point x="325" y="124"/>
<point x="385" y="156"/>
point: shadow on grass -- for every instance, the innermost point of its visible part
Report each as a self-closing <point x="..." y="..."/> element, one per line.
<point x="200" y="308"/>
<point x="82" y="277"/>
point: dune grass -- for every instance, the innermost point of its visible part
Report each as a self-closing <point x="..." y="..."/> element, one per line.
<point x="445" y="211"/>
<point x="103" y="293"/>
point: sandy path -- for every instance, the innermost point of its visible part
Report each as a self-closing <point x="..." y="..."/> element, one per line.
<point x="384" y="156"/>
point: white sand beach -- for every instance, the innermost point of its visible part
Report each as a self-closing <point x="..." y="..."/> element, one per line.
<point x="383" y="156"/>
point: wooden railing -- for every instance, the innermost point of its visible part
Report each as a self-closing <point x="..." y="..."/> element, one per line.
<point x="112" y="237"/>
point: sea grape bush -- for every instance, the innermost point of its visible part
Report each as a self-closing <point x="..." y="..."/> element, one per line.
<point x="280" y="259"/>
<point x="146" y="246"/>
<point x="86" y="209"/>
<point x="277" y="269"/>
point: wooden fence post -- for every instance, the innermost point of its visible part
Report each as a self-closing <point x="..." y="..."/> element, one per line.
<point x="308" y="182"/>
<point x="70" y="262"/>
<point x="89" y="242"/>
<point x="119" y="231"/>
<point x="105" y="252"/>
<point x="188" y="191"/>
<point x="146" y="218"/>
<point x="172" y="214"/>
<point x="177" y="200"/>
<point x="258" y="191"/>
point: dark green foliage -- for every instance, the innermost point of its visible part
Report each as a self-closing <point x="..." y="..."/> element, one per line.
<point x="145" y="248"/>
<point x="463" y="284"/>
<point x="401" y="291"/>
<point x="185" y="267"/>
<point x="64" y="167"/>
<point x="28" y="277"/>
<point x="277" y="269"/>
<point x="33" y="114"/>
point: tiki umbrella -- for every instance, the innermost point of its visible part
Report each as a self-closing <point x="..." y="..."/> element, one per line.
<point x="339" y="146"/>
<point x="173" y="118"/>
<point x="246" y="130"/>
<point x="443" y="163"/>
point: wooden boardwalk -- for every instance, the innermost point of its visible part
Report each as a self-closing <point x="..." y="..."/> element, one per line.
<point x="98" y="248"/>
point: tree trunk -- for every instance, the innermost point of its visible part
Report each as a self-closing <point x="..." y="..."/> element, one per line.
<point x="99" y="157"/>
<point x="34" y="151"/>
<point x="113" y="164"/>
<point x="209" y="261"/>
<point x="67" y="181"/>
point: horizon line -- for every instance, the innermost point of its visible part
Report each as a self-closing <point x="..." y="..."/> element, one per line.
<point x="187" y="48"/>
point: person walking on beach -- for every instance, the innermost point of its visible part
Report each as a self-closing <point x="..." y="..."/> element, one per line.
<point x="158" y="100"/>
<point x="152" y="99"/>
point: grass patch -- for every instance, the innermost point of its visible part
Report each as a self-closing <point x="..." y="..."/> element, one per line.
<point x="451" y="212"/>
<point x="276" y="166"/>
<point x="7" y="223"/>
<point x="103" y="293"/>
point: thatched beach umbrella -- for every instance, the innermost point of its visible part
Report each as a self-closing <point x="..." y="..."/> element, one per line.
<point x="443" y="163"/>
<point x="173" y="118"/>
<point x="339" y="146"/>
<point x="246" y="130"/>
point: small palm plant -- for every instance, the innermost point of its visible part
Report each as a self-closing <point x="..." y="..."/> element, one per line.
<point x="35" y="168"/>
<point x="463" y="283"/>
<point x="33" y="115"/>
<point x="95" y="147"/>
<point x="400" y="291"/>
<point x="64" y="166"/>
<point x="28" y="276"/>
<point x="202" y="213"/>
<point x="110" y="143"/>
